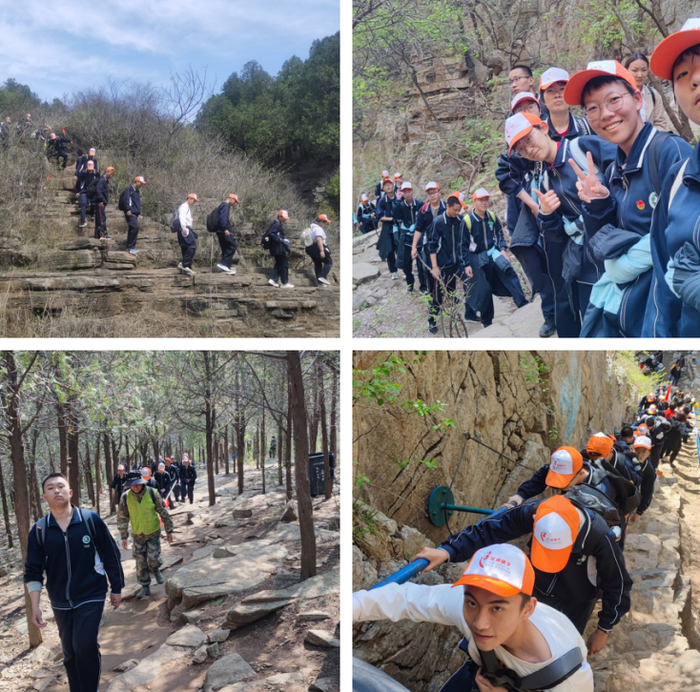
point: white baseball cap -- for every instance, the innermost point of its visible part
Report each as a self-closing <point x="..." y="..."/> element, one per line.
<point x="502" y="569"/>
<point x="523" y="96"/>
<point x="520" y="125"/>
<point x="552" y="75"/>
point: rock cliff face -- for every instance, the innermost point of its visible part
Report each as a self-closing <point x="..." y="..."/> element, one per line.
<point x="524" y="404"/>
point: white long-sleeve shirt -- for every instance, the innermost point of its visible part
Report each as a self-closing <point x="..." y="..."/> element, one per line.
<point x="184" y="212"/>
<point x="444" y="605"/>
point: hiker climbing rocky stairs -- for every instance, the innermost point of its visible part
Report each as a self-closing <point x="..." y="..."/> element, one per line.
<point x="72" y="276"/>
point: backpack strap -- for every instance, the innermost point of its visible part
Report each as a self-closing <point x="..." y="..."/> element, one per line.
<point x="41" y="528"/>
<point x="546" y="678"/>
<point x="676" y="186"/>
<point x="654" y="152"/>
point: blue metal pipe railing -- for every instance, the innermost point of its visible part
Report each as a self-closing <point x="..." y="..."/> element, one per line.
<point x="404" y="574"/>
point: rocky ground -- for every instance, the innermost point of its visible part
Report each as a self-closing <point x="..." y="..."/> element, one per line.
<point x="655" y="647"/>
<point x="67" y="284"/>
<point x="231" y="616"/>
<point x="383" y="308"/>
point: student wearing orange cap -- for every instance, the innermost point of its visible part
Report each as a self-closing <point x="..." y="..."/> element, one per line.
<point x="656" y="429"/>
<point x="505" y="626"/>
<point x="379" y="187"/>
<point x="56" y="149"/>
<point x="646" y="401"/>
<point x="318" y="251"/>
<point x="406" y="211"/>
<point x="279" y="249"/>
<point x="84" y="179"/>
<point x="130" y="204"/>
<point x="639" y="456"/>
<point x="493" y="272"/>
<point x="100" y="202"/>
<point x="619" y="211"/>
<point x="387" y="242"/>
<point x="558" y="117"/>
<point x="567" y="541"/>
<point x="224" y="233"/>
<point x="419" y="246"/>
<point x="673" y="309"/>
<point x="186" y="237"/>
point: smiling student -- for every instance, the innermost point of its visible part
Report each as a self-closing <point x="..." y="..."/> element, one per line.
<point x="673" y="308"/>
<point x="618" y="214"/>
<point x="510" y="635"/>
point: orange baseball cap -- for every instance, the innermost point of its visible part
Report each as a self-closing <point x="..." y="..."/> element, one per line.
<point x="650" y="396"/>
<point x="520" y="125"/>
<point x="553" y="534"/>
<point x="234" y="198"/>
<point x="564" y="464"/>
<point x="652" y="409"/>
<point x="523" y="96"/>
<point x="459" y="196"/>
<point x="146" y="472"/>
<point x="599" y="68"/>
<point x="666" y="53"/>
<point x="481" y="193"/>
<point x="398" y="175"/>
<point x="323" y="217"/>
<point x="386" y="174"/>
<point x="600" y="444"/>
<point x="109" y="169"/>
<point x="502" y="569"/>
<point x="642" y="441"/>
<point x="642" y="430"/>
<point x="91" y="165"/>
<point x="432" y="185"/>
<point x="194" y="197"/>
<point x="140" y="179"/>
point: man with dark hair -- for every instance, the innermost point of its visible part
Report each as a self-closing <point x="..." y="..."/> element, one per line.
<point x="101" y="200"/>
<point x="84" y="180"/>
<point x="77" y="552"/>
<point x="279" y="249"/>
<point x="118" y="481"/>
<point x="224" y="234"/>
<point x="141" y="506"/>
<point x="188" y="476"/>
<point x="55" y="149"/>
<point x="448" y="248"/>
<point x="520" y="79"/>
<point x="130" y="204"/>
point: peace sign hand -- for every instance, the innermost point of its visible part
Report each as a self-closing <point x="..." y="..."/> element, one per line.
<point x="549" y="201"/>
<point x="588" y="185"/>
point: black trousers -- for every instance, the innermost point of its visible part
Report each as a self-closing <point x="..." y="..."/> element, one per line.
<point x="532" y="260"/>
<point x="281" y="269"/>
<point x="188" y="245"/>
<point x="322" y="265"/>
<point x="228" y="248"/>
<point x="100" y="221"/>
<point x="187" y="491"/>
<point x="78" y="630"/>
<point x="133" y="233"/>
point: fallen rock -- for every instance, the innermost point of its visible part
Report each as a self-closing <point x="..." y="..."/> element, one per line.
<point x="44" y="683"/>
<point x="321" y="585"/>
<point x="313" y="616"/>
<point x="190" y="636"/>
<point x="125" y="666"/>
<point x="222" y="552"/>
<point x="363" y="272"/>
<point x="322" y="638"/>
<point x="282" y="682"/>
<point x="214" y="650"/>
<point x="227" y="671"/>
<point x="242" y="513"/>
<point x="165" y="659"/>
<point x="200" y="655"/>
<point x="321" y="685"/>
<point x="289" y="513"/>
<point x="218" y="635"/>
<point x="244" y="614"/>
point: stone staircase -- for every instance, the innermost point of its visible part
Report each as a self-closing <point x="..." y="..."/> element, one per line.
<point x="75" y="285"/>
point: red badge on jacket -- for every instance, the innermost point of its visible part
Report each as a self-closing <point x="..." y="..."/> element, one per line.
<point x="640" y="205"/>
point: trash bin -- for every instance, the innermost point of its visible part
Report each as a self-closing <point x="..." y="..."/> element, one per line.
<point x="317" y="475"/>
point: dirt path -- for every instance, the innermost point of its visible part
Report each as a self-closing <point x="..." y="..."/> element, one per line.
<point x="138" y="628"/>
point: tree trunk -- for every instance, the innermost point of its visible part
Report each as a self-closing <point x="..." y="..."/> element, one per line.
<point x="288" y="444"/>
<point x="328" y="484"/>
<point x="73" y="440"/>
<point x="263" y="450"/>
<point x="109" y="472"/>
<point x="280" y="447"/>
<point x="89" y="484"/>
<point x="62" y="443"/>
<point x="226" y="452"/>
<point x="34" y="492"/>
<point x="301" y="453"/>
<point x="98" y="476"/>
<point x="5" y="510"/>
<point x="210" y="420"/>
<point x="333" y="444"/>
<point x="19" y="466"/>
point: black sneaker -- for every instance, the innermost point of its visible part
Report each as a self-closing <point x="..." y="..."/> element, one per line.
<point x="433" y="329"/>
<point x="159" y="576"/>
<point x="547" y="329"/>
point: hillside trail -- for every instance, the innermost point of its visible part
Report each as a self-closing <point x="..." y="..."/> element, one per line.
<point x="273" y="645"/>
<point x="82" y="280"/>
<point x="383" y="308"/>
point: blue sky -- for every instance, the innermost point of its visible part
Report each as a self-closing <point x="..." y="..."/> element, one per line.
<point x="59" y="48"/>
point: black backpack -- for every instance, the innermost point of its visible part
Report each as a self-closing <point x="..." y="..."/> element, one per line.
<point x="213" y="221"/>
<point x="266" y="242"/>
<point x="91" y="190"/>
<point x="123" y="204"/>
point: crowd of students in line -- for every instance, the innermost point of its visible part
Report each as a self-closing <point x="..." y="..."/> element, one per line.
<point x="603" y="209"/>
<point x="523" y="616"/>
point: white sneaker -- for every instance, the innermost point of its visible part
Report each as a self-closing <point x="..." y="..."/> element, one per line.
<point x="232" y="270"/>
<point x="82" y="225"/>
<point x="180" y="267"/>
<point x="223" y="268"/>
<point x="273" y="283"/>
<point x="286" y="285"/>
<point x="188" y="271"/>
<point x="321" y="280"/>
<point x="394" y="275"/>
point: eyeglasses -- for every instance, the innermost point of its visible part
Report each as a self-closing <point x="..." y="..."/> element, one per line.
<point x="525" y="143"/>
<point x="527" y="107"/>
<point x="517" y="79"/>
<point x="613" y="103"/>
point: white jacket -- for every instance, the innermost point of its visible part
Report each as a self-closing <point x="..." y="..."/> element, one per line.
<point x="184" y="213"/>
<point x="444" y="605"/>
